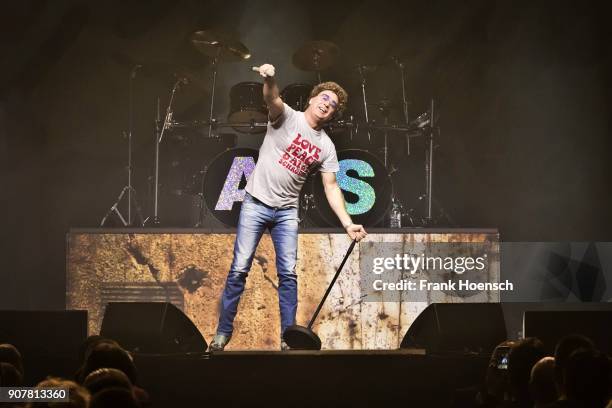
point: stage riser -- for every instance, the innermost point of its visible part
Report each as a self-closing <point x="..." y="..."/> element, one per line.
<point x="189" y="270"/>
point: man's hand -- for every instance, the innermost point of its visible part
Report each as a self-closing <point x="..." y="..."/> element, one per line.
<point x="356" y="231"/>
<point x="336" y="202"/>
<point x="271" y="94"/>
<point x="266" y="70"/>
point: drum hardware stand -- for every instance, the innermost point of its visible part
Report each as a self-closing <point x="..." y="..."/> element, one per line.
<point x="386" y="146"/>
<point x="129" y="188"/>
<point x="351" y="119"/>
<point x="212" y="93"/>
<point x="395" y="219"/>
<point x="429" y="165"/>
<point x="203" y="213"/>
<point x="442" y="213"/>
<point x="114" y="208"/>
<point x="411" y="218"/>
<point x="213" y="124"/>
<point x="397" y="212"/>
<point x="307" y="203"/>
<point x="362" y="71"/>
<point x="220" y="46"/>
<point x="383" y="107"/>
<point x="315" y="60"/>
<point x="402" y="68"/>
<point x="195" y="124"/>
<point x="159" y="136"/>
<point x="254" y="125"/>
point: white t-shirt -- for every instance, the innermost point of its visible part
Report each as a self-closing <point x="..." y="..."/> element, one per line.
<point x="290" y="151"/>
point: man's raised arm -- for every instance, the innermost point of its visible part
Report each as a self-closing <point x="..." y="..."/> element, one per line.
<point x="271" y="94"/>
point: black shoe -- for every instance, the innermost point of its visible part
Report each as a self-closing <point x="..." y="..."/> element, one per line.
<point x="219" y="343"/>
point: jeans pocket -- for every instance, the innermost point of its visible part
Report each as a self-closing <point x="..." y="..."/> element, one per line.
<point x="248" y="200"/>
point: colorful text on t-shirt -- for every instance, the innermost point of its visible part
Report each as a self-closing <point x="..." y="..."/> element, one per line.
<point x="300" y="155"/>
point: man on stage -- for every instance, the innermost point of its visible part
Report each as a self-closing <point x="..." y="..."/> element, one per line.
<point x="295" y="144"/>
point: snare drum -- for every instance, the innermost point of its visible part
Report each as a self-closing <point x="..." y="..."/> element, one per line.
<point x="367" y="189"/>
<point x="224" y="183"/>
<point x="247" y="106"/>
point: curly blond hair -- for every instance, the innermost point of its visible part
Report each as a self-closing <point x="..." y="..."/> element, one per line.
<point x="335" y="88"/>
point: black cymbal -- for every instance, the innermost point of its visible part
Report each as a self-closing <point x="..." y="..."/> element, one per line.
<point x="220" y="45"/>
<point x="315" y="56"/>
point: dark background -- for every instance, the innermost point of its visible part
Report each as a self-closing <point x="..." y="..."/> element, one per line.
<point x="523" y="91"/>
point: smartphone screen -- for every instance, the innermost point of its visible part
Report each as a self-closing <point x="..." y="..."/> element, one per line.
<point x="500" y="357"/>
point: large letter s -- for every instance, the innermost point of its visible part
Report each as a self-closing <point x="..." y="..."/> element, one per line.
<point x="365" y="192"/>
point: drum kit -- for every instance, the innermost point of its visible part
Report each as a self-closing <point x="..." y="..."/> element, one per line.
<point x="218" y="186"/>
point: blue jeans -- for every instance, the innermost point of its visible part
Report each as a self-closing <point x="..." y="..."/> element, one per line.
<point x="255" y="217"/>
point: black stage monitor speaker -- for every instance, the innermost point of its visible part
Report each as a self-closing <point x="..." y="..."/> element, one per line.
<point x="457" y="327"/>
<point x="151" y="327"/>
<point x="551" y="326"/>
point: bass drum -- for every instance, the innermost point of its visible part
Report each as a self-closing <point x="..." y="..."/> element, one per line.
<point x="367" y="189"/>
<point x="224" y="182"/>
<point x="247" y="105"/>
<point x="297" y="96"/>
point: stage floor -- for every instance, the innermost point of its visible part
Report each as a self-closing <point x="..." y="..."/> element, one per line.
<point x="345" y="378"/>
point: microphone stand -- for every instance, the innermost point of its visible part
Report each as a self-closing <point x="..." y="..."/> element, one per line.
<point x="130" y="127"/>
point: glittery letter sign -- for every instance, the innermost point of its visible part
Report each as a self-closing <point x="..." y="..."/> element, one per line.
<point x="363" y="190"/>
<point x="241" y="166"/>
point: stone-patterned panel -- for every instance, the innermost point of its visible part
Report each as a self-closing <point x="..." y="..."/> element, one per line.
<point x="159" y="266"/>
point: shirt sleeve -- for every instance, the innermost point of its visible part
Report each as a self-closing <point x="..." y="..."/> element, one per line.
<point x="287" y="116"/>
<point x="330" y="163"/>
